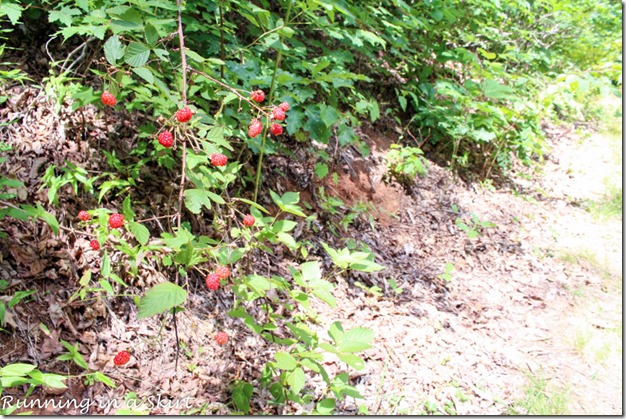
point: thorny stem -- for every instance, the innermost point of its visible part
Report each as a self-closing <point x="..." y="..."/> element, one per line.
<point x="181" y="39"/>
<point x="270" y="97"/>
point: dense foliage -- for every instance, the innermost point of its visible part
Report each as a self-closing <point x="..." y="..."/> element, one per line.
<point x="469" y="79"/>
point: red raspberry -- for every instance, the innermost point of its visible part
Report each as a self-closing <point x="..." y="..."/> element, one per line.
<point x="94" y="244"/>
<point x="166" y="139"/>
<point x="255" y="128"/>
<point x="84" y="215"/>
<point x="222" y="271"/>
<point x="218" y="159"/>
<point x="284" y="106"/>
<point x="248" y="220"/>
<point x="116" y="220"/>
<point x="258" y="96"/>
<point x="183" y="115"/>
<point x="278" y="114"/>
<point x="221" y="338"/>
<point x="276" y="129"/>
<point x="108" y="99"/>
<point x="122" y="358"/>
<point x="213" y="281"/>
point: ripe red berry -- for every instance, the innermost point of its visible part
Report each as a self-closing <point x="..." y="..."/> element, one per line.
<point x="255" y="128"/>
<point x="122" y="358"/>
<point x="284" y="106"/>
<point x="108" y="99"/>
<point x="278" y="114"/>
<point x="116" y="220"/>
<point x="166" y="139"/>
<point x="258" y="96"/>
<point x="222" y="271"/>
<point x="213" y="281"/>
<point x="248" y="220"/>
<point x="276" y="129"/>
<point x="183" y="115"/>
<point x="84" y="215"/>
<point x="218" y="159"/>
<point x="94" y="244"/>
<point x="221" y="338"/>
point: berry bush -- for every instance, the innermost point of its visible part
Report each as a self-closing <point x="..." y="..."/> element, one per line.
<point x="218" y="88"/>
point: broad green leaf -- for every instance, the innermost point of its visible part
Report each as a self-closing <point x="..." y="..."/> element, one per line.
<point x="113" y="49"/>
<point x="285" y="361"/>
<point x="352" y="360"/>
<point x="105" y="265"/>
<point x="195" y="199"/>
<point x="216" y="198"/>
<point x="141" y="233"/>
<point x="151" y="34"/>
<point x="242" y="393"/>
<point x="160" y="298"/>
<point x="326" y="406"/>
<point x="296" y="380"/>
<point x="311" y="271"/>
<point x="12" y="10"/>
<point x="355" y="340"/>
<point x="321" y="170"/>
<point x="495" y="90"/>
<point x="325" y="296"/>
<point x="144" y="73"/>
<point x="16" y="370"/>
<point x="194" y="56"/>
<point x="137" y="54"/>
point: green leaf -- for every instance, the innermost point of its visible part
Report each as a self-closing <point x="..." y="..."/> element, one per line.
<point x="195" y="199"/>
<point x="495" y="90"/>
<point x="352" y="360"/>
<point x="144" y="73"/>
<point x="321" y="170"/>
<point x="106" y="285"/>
<point x="16" y="370"/>
<point x="151" y="34"/>
<point x="328" y="115"/>
<point x="242" y="393"/>
<point x="285" y="361"/>
<point x="160" y="298"/>
<point x="325" y="296"/>
<point x="137" y="54"/>
<point x="12" y="10"/>
<point x="113" y="49"/>
<point x="296" y="380"/>
<point x="355" y="340"/>
<point x="56" y="380"/>
<point x="141" y="233"/>
<point x="194" y="56"/>
<point x="98" y="376"/>
<point x="216" y="198"/>
<point x="326" y="406"/>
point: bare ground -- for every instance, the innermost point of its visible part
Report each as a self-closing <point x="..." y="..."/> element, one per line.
<point x="517" y="303"/>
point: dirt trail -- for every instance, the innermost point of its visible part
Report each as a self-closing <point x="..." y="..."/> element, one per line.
<point x="527" y="298"/>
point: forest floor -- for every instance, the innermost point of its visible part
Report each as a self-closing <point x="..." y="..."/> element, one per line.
<point x="502" y="300"/>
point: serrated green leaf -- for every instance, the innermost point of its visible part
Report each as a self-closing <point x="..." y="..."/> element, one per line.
<point x="160" y="298"/>
<point x="113" y="49"/>
<point x="136" y="54"/>
<point x="12" y="10"/>
<point x="151" y="34"/>
<point x="195" y="199"/>
<point x="144" y="73"/>
<point x="495" y="90"/>
<point x="285" y="361"/>
<point x="141" y="233"/>
<point x="325" y="296"/>
<point x="355" y="340"/>
<point x="296" y="380"/>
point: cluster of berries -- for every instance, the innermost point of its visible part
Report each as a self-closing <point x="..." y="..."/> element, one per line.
<point x="116" y="220"/>
<point x="278" y="113"/>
